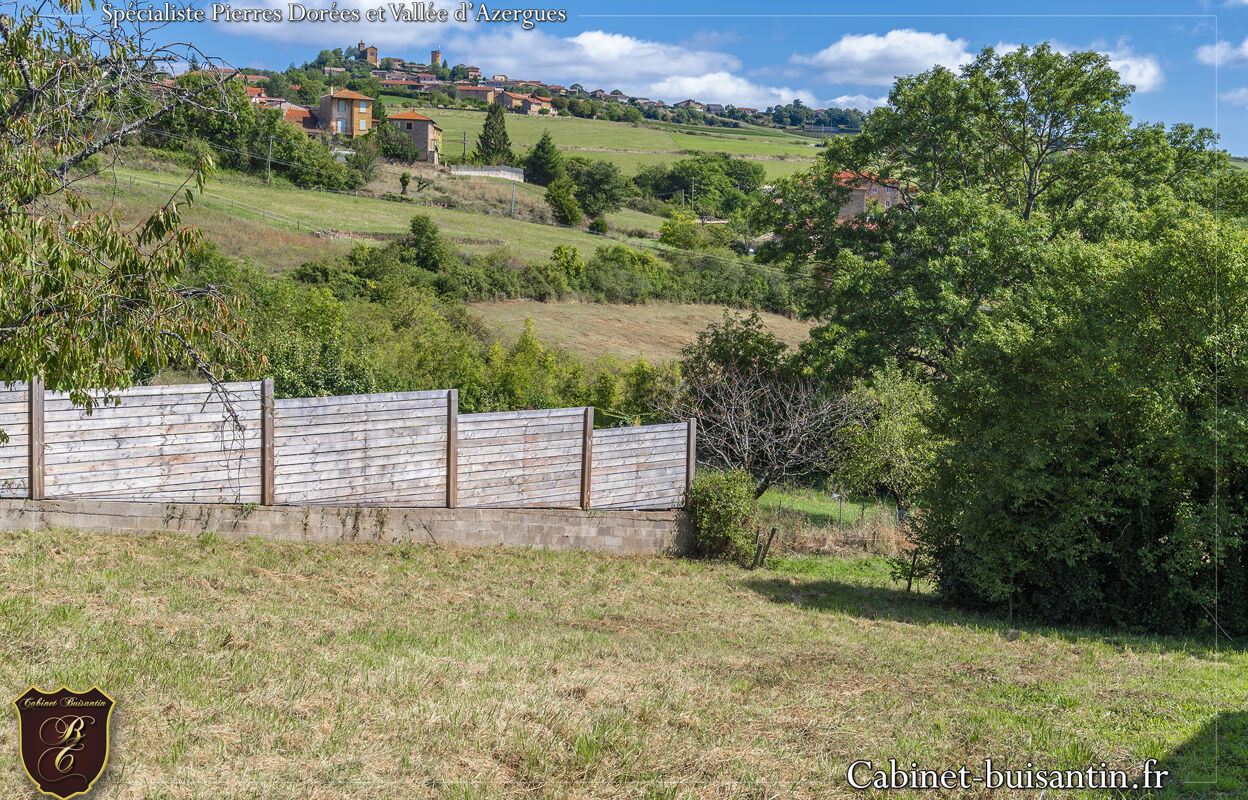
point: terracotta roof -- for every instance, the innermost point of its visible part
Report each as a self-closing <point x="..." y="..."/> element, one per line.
<point x="347" y="94"/>
<point x="301" y="116"/>
<point x="254" y="91"/>
<point x="408" y="115"/>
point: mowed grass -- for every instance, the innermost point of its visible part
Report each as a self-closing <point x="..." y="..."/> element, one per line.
<point x="253" y="669"/>
<point x="236" y="198"/>
<point x="656" y="331"/>
<point x="629" y="146"/>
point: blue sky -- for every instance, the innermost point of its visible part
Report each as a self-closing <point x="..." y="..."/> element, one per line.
<point x="1189" y="60"/>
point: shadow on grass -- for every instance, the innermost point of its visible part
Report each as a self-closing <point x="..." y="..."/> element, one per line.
<point x="868" y="600"/>
<point x="1211" y="764"/>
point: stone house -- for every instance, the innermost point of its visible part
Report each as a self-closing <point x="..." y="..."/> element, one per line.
<point x="422" y="130"/>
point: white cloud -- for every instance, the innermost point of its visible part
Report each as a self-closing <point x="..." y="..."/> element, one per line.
<point x="877" y="60"/>
<point x="724" y="88"/>
<point x="1238" y="97"/>
<point x="1224" y="53"/>
<point x="859" y="101"/>
<point x="1236" y="3"/>
<point x="640" y="67"/>
<point x="1144" y="72"/>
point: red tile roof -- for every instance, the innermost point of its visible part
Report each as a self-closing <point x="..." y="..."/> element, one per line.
<point x="347" y="94"/>
<point x="409" y="115"/>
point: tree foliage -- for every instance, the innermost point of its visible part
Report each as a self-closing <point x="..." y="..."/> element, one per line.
<point x="544" y="163"/>
<point x="494" y="145"/>
<point x="86" y="301"/>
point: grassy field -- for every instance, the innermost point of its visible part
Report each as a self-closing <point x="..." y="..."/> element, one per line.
<point x="630" y="146"/>
<point x="656" y="330"/>
<point x="240" y="211"/>
<point x="250" y="669"/>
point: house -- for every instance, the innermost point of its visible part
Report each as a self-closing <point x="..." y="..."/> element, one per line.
<point x="426" y="78"/>
<point x="689" y="104"/>
<point x="866" y="187"/>
<point x="302" y="118"/>
<point x="714" y="108"/>
<point x="252" y="78"/>
<point x="331" y="71"/>
<point x="557" y="89"/>
<point x="485" y="93"/>
<point x="369" y="54"/>
<point x="474" y="73"/>
<point x="346" y="113"/>
<point x="258" y="98"/>
<point x="523" y="103"/>
<point x="405" y="83"/>
<point x="598" y="94"/>
<point x="747" y="110"/>
<point x="422" y="130"/>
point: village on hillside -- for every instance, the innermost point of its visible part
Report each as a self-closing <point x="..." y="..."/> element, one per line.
<point x="335" y="93"/>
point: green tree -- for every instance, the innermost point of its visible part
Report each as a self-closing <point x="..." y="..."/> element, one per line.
<point x="600" y="188"/>
<point x="544" y="163"/>
<point x="366" y="153"/>
<point x="494" y="146"/>
<point x="561" y="196"/>
<point x="1094" y="468"/>
<point x="404" y="180"/>
<point x="89" y="299"/>
<point x="681" y="230"/>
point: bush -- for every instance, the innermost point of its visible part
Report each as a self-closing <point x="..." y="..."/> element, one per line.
<point x="723" y="507"/>
<point x="598" y="226"/>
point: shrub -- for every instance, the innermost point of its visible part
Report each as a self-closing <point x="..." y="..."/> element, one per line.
<point x="560" y="194"/>
<point x="723" y="507"/>
<point x="598" y="226"/>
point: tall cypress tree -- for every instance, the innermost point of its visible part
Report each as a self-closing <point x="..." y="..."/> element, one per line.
<point x="494" y="146"/>
<point x="545" y="163"/>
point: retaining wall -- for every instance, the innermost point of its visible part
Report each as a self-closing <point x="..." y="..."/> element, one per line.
<point x="620" y="532"/>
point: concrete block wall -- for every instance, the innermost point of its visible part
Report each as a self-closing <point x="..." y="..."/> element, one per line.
<point x="620" y="532"/>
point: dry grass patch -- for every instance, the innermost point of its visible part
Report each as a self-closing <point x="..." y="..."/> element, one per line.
<point x="250" y="669"/>
<point x="656" y="331"/>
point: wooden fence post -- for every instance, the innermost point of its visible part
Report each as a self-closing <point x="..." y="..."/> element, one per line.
<point x="266" y="442"/>
<point x="452" y="448"/>
<point x="587" y="456"/>
<point x="691" y="454"/>
<point x="34" y="404"/>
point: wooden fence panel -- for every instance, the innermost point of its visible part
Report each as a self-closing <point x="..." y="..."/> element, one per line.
<point x="639" y="467"/>
<point x="162" y="443"/>
<point x="14" y="457"/>
<point x="521" y="458"/>
<point x="380" y="448"/>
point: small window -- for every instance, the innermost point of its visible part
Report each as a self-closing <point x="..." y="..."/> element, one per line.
<point x="409" y="126"/>
<point x="363" y="124"/>
<point x="342" y="105"/>
<point x="362" y="108"/>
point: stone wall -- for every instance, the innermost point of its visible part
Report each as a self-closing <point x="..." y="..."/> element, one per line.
<point x="621" y="532"/>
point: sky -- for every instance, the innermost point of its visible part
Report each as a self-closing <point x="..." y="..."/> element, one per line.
<point x="1188" y="59"/>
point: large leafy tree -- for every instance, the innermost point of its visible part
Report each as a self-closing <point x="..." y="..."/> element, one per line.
<point x="87" y="299"/>
<point x="994" y="164"/>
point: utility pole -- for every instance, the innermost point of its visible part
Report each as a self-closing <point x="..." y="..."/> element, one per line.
<point x="268" y="163"/>
<point x="465" y="145"/>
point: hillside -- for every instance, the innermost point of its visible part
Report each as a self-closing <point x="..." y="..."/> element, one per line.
<point x="630" y="146"/>
<point x="240" y="212"/>
<point x="656" y="330"/>
<point x="361" y="671"/>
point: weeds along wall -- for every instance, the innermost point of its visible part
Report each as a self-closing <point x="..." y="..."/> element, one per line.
<point x="236" y="444"/>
